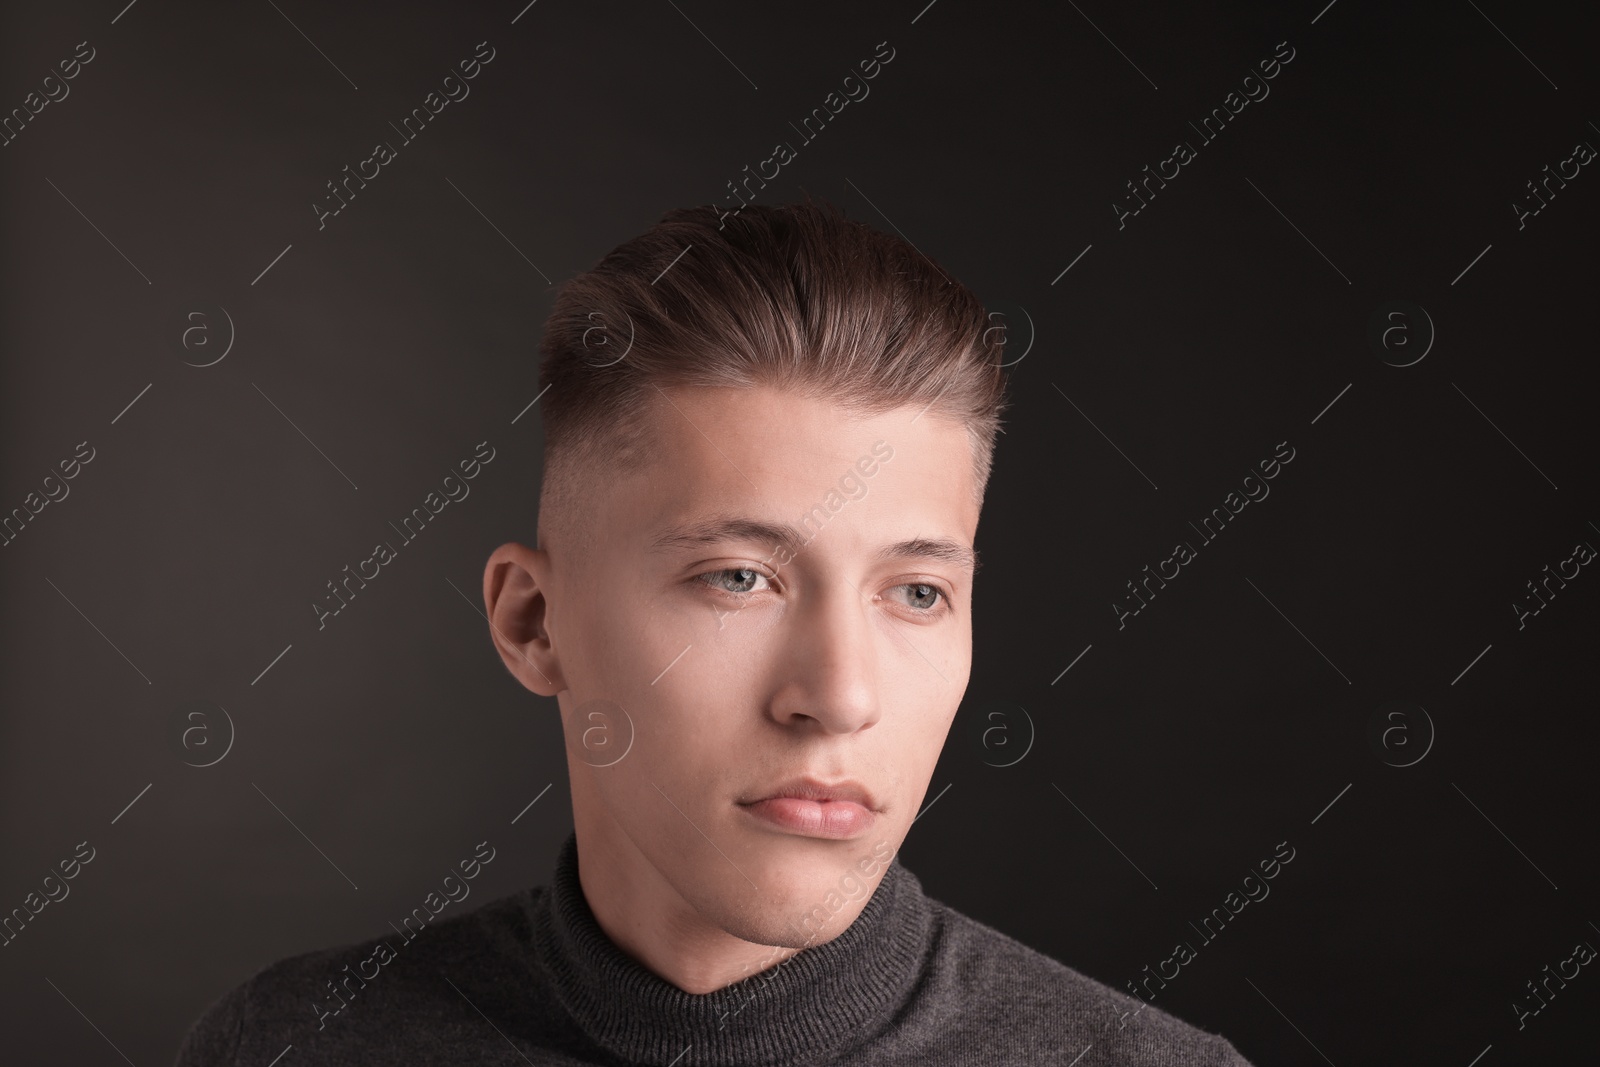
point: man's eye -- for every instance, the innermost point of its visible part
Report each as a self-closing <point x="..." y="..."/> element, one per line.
<point x="733" y="579"/>
<point x="926" y="597"/>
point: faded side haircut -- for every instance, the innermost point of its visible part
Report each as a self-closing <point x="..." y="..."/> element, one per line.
<point x="794" y="296"/>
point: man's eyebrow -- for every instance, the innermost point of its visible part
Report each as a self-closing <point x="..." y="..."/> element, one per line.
<point x="780" y="535"/>
<point x="938" y="548"/>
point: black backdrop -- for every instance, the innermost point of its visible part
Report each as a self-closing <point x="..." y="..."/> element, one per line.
<point x="1342" y="669"/>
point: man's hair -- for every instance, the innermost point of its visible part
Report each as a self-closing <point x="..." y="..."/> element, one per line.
<point x="795" y="296"/>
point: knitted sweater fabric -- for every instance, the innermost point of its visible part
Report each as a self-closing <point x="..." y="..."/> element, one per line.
<point x="532" y="979"/>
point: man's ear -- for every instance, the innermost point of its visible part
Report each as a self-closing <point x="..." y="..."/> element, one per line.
<point x="514" y="583"/>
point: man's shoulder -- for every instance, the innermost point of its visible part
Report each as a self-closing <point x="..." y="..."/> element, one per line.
<point x="357" y="989"/>
<point x="1012" y="993"/>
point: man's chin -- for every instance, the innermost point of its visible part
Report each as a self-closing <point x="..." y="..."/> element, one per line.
<point x="808" y="893"/>
<point x="794" y="922"/>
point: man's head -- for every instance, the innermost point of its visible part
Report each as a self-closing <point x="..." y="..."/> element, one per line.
<point x="766" y="445"/>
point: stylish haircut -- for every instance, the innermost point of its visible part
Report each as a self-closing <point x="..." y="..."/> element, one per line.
<point x="795" y="296"/>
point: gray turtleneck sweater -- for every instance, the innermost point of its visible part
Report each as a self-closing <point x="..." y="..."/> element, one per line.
<point x="532" y="979"/>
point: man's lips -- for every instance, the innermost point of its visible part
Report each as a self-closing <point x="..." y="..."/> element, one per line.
<point x="811" y="808"/>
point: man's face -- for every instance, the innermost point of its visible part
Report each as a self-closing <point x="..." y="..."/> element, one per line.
<point x="707" y="667"/>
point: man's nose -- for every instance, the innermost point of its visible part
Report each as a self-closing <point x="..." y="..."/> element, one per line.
<point x="830" y="663"/>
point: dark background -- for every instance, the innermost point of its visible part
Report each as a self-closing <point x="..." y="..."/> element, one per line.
<point x="1232" y="714"/>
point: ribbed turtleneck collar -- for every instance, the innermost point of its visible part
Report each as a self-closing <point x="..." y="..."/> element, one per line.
<point x="805" y="1010"/>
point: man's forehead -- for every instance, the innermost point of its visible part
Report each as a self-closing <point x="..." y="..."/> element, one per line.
<point x="772" y="470"/>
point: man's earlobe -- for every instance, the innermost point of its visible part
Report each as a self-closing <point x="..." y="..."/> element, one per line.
<point x="517" y="607"/>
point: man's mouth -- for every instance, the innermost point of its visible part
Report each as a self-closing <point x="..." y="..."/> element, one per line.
<point x="812" y="808"/>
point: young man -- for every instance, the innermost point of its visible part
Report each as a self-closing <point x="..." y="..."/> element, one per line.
<point x="767" y="441"/>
